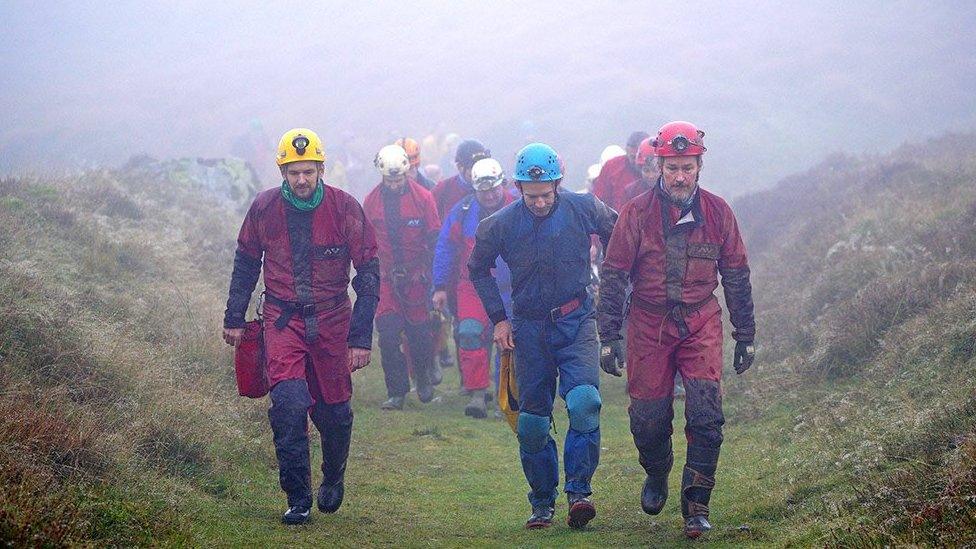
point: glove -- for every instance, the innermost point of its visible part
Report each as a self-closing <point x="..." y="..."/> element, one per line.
<point x="613" y="357"/>
<point x="745" y="353"/>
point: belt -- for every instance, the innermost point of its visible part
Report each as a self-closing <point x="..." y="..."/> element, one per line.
<point x="307" y="310"/>
<point x="558" y="312"/>
<point x="677" y="312"/>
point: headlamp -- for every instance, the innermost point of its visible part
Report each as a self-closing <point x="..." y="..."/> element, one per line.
<point x="536" y="173"/>
<point x="300" y="143"/>
<point x="679" y="143"/>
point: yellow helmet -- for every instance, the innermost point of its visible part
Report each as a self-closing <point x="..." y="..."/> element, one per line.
<point x="300" y="144"/>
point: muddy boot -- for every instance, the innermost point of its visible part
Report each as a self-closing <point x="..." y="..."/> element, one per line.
<point x="581" y="510"/>
<point x="655" y="491"/>
<point x="334" y="422"/>
<point x="541" y="518"/>
<point x="425" y="393"/>
<point x="477" y="408"/>
<point x="697" y="482"/>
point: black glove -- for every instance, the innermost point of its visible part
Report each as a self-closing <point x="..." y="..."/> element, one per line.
<point x="745" y="353"/>
<point x="613" y="357"/>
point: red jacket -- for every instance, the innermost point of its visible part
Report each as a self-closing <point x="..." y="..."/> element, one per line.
<point x="635" y="189"/>
<point x="416" y="230"/>
<point x="339" y="234"/>
<point x="449" y="192"/>
<point x="671" y="263"/>
<point x="609" y="186"/>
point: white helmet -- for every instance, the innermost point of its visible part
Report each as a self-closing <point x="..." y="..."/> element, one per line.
<point x="612" y="151"/>
<point x="486" y="174"/>
<point x="592" y="172"/>
<point x="392" y="160"/>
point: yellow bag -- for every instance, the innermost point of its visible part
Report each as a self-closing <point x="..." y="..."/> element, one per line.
<point x="508" y="390"/>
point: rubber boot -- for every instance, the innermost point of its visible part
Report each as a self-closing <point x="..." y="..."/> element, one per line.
<point x="697" y="482"/>
<point x="477" y="408"/>
<point x="289" y="424"/>
<point x="655" y="491"/>
<point x="334" y="422"/>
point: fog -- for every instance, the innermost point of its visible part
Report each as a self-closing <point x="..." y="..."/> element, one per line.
<point x="775" y="88"/>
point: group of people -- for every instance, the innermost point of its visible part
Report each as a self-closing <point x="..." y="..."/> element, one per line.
<point x="511" y="262"/>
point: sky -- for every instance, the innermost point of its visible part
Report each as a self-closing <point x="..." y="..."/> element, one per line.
<point x="775" y="86"/>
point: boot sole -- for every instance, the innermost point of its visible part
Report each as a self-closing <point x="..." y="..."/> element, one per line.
<point x="537" y="525"/>
<point x="580" y="514"/>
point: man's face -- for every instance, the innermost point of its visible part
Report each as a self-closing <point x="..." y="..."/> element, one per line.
<point x="492" y="198"/>
<point x="539" y="196"/>
<point x="465" y="171"/>
<point x="395" y="182"/>
<point x="632" y="156"/>
<point x="649" y="172"/>
<point x="680" y="176"/>
<point x="302" y="177"/>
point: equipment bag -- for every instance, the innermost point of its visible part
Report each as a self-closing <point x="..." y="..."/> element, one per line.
<point x="252" y="374"/>
<point x="508" y="390"/>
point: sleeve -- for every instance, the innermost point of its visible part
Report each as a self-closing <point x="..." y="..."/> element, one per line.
<point x="615" y="273"/>
<point x="486" y="251"/>
<point x="733" y="265"/>
<point x="247" y="270"/>
<point x="366" y="283"/>
<point x="444" y="255"/>
<point x="604" y="218"/>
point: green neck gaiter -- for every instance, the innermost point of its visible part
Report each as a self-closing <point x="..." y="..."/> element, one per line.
<point x="298" y="203"/>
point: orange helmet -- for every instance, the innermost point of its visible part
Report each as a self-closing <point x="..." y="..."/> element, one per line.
<point x="413" y="150"/>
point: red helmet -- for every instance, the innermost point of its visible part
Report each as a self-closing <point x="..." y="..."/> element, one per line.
<point x="645" y="152"/>
<point x="679" y="139"/>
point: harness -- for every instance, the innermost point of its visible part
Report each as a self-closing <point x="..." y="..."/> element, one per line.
<point x="399" y="277"/>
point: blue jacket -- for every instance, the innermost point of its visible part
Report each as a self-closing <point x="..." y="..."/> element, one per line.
<point x="549" y="256"/>
<point x="454" y="246"/>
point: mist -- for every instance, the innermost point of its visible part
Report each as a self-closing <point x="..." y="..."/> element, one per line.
<point x="776" y="89"/>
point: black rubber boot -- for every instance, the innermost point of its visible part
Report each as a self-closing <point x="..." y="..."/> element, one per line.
<point x="334" y="422"/>
<point x="289" y="424"/>
<point x="655" y="491"/>
<point x="697" y="482"/>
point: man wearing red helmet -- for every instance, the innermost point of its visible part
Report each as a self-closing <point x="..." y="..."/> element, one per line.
<point x="672" y="243"/>
<point x="649" y="172"/>
<point x="619" y="172"/>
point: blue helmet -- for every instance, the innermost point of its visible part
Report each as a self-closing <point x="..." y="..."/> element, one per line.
<point x="537" y="162"/>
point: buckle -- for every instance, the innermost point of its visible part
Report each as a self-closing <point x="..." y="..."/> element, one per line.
<point x="555" y="314"/>
<point x="308" y="310"/>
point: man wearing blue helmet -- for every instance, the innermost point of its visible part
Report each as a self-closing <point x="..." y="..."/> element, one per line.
<point x="545" y="239"/>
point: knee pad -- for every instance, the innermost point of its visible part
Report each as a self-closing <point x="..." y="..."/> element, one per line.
<point x="290" y="394"/>
<point x="533" y="432"/>
<point x="583" y="403"/>
<point x="470" y="334"/>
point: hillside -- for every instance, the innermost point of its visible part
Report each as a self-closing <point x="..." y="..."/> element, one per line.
<point x="120" y="422"/>
<point x="865" y="287"/>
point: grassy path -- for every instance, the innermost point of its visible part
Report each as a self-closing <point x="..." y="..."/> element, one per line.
<point x="428" y="476"/>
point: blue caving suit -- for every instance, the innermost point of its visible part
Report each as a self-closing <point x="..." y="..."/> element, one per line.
<point x="554" y="329"/>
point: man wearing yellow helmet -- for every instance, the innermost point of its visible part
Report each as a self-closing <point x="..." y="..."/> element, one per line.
<point x="304" y="235"/>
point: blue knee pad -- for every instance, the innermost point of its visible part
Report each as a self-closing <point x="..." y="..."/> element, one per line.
<point x="470" y="334"/>
<point x="583" y="403"/>
<point x="533" y="432"/>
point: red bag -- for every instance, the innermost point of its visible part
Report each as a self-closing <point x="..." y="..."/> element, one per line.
<point x="252" y="375"/>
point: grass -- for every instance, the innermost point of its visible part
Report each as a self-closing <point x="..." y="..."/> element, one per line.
<point x="120" y="424"/>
